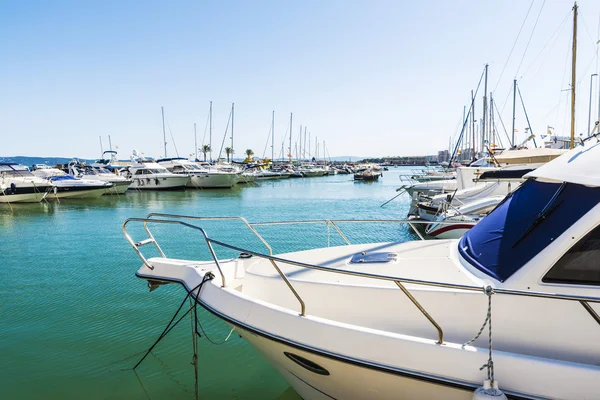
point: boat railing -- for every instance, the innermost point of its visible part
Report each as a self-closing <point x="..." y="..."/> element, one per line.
<point x="156" y="218"/>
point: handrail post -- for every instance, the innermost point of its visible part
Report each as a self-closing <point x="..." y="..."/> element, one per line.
<point x="425" y="313"/>
<point x="151" y="236"/>
<point x="340" y="232"/>
<point x="302" y="305"/>
<point x="214" y="256"/>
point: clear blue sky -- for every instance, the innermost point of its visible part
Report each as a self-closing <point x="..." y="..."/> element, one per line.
<point x="371" y="78"/>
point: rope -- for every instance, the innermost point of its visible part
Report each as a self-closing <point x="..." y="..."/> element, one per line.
<point x="489" y="291"/>
<point x="209" y="276"/>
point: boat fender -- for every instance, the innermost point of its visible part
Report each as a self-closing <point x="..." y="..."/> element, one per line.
<point x="157" y="181"/>
<point x="489" y="391"/>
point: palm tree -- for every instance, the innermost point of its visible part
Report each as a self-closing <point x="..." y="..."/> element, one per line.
<point x="249" y="154"/>
<point x="205" y="149"/>
<point x="229" y="152"/>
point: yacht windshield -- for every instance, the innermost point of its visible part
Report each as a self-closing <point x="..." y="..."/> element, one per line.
<point x="524" y="224"/>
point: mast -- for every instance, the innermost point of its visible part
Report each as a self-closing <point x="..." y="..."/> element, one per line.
<point x="210" y="130"/>
<point x="317" y="148"/>
<point x="514" y="104"/>
<point x="290" y="152"/>
<point x="162" y="110"/>
<point x="109" y="143"/>
<point x="101" y="149"/>
<point x="273" y="138"/>
<point x="484" y="123"/>
<point x="232" y="110"/>
<point x="491" y="123"/>
<point x="304" y="146"/>
<point x="573" y="70"/>
<point x="473" y="124"/>
<point x="590" y="110"/>
<point x="300" y="145"/>
<point x="195" y="143"/>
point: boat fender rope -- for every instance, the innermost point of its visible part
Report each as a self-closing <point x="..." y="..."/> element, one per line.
<point x="488" y="291"/>
<point x="207" y="277"/>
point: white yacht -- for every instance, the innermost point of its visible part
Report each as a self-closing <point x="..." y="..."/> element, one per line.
<point x="120" y="184"/>
<point x="67" y="186"/>
<point x="19" y="185"/>
<point x="414" y="320"/>
<point x="200" y="177"/>
<point x="149" y="175"/>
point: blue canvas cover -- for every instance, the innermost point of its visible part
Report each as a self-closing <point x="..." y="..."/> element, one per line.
<point x="517" y="229"/>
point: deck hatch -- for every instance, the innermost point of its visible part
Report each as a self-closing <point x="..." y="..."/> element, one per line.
<point x="373" y="258"/>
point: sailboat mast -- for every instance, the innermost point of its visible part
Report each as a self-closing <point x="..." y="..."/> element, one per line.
<point x="304" y="146"/>
<point x="300" y="145"/>
<point x="514" y="104"/>
<point x="273" y="138"/>
<point x="485" y="100"/>
<point x="109" y="143"/>
<point x="232" y="111"/>
<point x="162" y="111"/>
<point x="195" y="143"/>
<point x="290" y="152"/>
<point x="101" y="148"/>
<point x="473" y="124"/>
<point x="210" y="130"/>
<point x="573" y="70"/>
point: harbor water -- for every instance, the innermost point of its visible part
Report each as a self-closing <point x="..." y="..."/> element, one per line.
<point x="75" y="319"/>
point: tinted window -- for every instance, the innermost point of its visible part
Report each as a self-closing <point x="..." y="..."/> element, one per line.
<point x="581" y="264"/>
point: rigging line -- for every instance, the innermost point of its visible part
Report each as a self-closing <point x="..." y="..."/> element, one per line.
<point x="466" y="118"/>
<point x="562" y="82"/>
<point x="560" y="27"/>
<point x="530" y="37"/>
<point x="224" y="136"/>
<point x="502" y="123"/>
<point x="588" y="31"/>
<point x="514" y="44"/>
<point x="205" y="128"/>
<point x="172" y="138"/>
<point x="267" y="143"/>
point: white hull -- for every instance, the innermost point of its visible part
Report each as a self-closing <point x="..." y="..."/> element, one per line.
<point x="346" y="380"/>
<point x="119" y="187"/>
<point x="23" y="198"/>
<point x="450" y="231"/>
<point x="212" y="180"/>
<point x="160" y="183"/>
<point x="78" y="194"/>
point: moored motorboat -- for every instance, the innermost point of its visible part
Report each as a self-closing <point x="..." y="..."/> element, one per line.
<point x="310" y="313"/>
<point x="65" y="186"/>
<point x="200" y="177"/>
<point x="19" y="185"/>
<point x="149" y="175"/>
<point x="120" y="184"/>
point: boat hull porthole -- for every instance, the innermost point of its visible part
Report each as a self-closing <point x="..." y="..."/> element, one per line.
<point x="306" y="364"/>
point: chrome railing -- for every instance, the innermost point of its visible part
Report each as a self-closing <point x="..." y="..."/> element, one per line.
<point x="156" y="218"/>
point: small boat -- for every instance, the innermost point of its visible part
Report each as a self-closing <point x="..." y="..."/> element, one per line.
<point x="412" y="320"/>
<point x="65" y="186"/>
<point x="19" y="185"/>
<point x="367" y="175"/>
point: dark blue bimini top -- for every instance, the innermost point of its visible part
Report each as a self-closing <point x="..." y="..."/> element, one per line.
<point x="524" y="224"/>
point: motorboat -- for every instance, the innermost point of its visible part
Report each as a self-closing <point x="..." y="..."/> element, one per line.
<point x="149" y="175"/>
<point x="367" y="175"/>
<point x="200" y="177"/>
<point x="413" y="320"/>
<point x="311" y="170"/>
<point x="120" y="184"/>
<point x="19" y="185"/>
<point x="67" y="186"/>
<point x="453" y="222"/>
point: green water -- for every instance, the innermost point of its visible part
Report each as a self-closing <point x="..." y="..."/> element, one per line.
<point x="74" y="316"/>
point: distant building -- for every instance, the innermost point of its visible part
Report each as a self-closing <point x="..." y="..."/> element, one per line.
<point x="443" y="156"/>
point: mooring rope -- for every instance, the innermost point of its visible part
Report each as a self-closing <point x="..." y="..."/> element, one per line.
<point x="207" y="277"/>
<point x="489" y="291"/>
